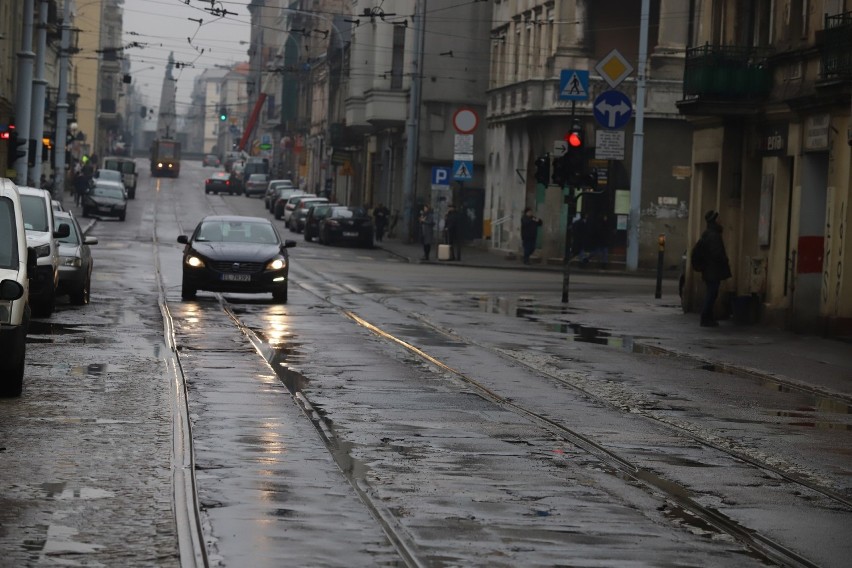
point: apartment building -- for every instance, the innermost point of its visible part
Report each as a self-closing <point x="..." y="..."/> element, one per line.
<point x="768" y="90"/>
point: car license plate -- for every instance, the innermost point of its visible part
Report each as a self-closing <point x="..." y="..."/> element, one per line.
<point x="236" y="277"/>
<point x="105" y="209"/>
<point x="349" y="234"/>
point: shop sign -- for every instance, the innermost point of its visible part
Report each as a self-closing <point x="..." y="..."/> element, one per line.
<point x="816" y="132"/>
<point x="773" y="140"/>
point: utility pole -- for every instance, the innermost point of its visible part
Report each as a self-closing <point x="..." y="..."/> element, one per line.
<point x="39" y="89"/>
<point x="24" y="91"/>
<point x="412" y="127"/>
<point x="60" y="144"/>
<point x="638" y="145"/>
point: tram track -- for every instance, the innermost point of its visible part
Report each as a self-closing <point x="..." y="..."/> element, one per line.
<point x="762" y="546"/>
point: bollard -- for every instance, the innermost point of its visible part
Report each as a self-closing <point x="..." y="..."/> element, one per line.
<point x="661" y="240"/>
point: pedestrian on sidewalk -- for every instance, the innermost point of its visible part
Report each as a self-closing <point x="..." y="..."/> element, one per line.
<point x="380" y="220"/>
<point x="529" y="233"/>
<point x="452" y="226"/>
<point x="710" y="258"/>
<point x="427" y="230"/>
<point x="81" y="185"/>
<point x="599" y="237"/>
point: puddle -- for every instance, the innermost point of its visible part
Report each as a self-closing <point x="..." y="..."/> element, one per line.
<point x="51" y="332"/>
<point x="90" y="370"/>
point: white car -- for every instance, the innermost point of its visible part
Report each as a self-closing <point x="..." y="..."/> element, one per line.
<point x="42" y="235"/>
<point x="17" y="262"/>
<point x="291" y="205"/>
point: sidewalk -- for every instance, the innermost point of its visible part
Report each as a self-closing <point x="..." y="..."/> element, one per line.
<point x="646" y="324"/>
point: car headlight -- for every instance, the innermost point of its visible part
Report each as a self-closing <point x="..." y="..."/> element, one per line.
<point x="194" y="261"/>
<point x="71" y="261"/>
<point x="43" y="250"/>
<point x="276" y="264"/>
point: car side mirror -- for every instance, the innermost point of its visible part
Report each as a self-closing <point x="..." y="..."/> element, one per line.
<point x="183" y="239"/>
<point x="63" y="231"/>
<point x="10" y="290"/>
<point x="90" y="241"/>
<point x="289" y="243"/>
<point x="32" y="262"/>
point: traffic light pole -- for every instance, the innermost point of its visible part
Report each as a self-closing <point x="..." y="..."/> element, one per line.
<point x="568" y="198"/>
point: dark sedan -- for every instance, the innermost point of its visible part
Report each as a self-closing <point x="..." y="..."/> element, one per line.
<point x="219" y="182"/>
<point x="346" y="224"/>
<point x="105" y="199"/>
<point x="315" y="214"/>
<point x="230" y="253"/>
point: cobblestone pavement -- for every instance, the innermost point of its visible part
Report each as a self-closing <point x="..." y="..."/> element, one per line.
<point x="85" y="472"/>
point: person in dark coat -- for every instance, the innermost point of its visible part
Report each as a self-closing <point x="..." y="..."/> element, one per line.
<point x="452" y="225"/>
<point x="380" y="220"/>
<point x="529" y="232"/>
<point x="710" y="258"/>
<point x="81" y="186"/>
<point x="427" y="230"/>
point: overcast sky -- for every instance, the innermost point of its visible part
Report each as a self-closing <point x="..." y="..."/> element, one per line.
<point x="163" y="26"/>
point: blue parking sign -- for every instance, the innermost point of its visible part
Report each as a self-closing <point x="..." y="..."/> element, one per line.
<point x="441" y="177"/>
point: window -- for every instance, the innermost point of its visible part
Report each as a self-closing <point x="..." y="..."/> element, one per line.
<point x="398" y="57"/>
<point x="35" y="213"/>
<point x="8" y="232"/>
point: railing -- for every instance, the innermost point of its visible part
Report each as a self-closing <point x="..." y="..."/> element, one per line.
<point x="836" y="54"/>
<point x="726" y="73"/>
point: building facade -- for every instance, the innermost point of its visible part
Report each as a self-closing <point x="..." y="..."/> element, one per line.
<point x="768" y="89"/>
<point x="536" y="48"/>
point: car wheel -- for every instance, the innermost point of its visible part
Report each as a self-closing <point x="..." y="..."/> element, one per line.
<point x="278" y="214"/>
<point x="122" y="216"/>
<point x="206" y="192"/>
<point x="81" y="297"/>
<point x="280" y="295"/>
<point x="187" y="292"/>
<point x="13" y="369"/>
<point x="45" y="308"/>
<point x="308" y="237"/>
<point x="132" y="194"/>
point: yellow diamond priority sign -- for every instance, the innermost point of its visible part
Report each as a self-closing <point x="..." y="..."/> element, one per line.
<point x="614" y="68"/>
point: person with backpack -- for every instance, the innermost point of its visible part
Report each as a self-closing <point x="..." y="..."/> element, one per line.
<point x="710" y="259"/>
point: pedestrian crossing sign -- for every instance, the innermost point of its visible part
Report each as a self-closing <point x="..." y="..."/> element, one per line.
<point x="462" y="170"/>
<point x="573" y="85"/>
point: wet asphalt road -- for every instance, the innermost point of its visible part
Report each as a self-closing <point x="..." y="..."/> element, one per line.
<point x="470" y="427"/>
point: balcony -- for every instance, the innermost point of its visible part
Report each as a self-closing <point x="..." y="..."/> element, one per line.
<point x="836" y="52"/>
<point x="725" y="80"/>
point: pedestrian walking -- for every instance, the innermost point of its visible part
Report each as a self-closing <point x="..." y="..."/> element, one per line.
<point x="710" y="259"/>
<point x="81" y="185"/>
<point x="529" y="233"/>
<point x="380" y="220"/>
<point x="427" y="230"/>
<point x="580" y="237"/>
<point x="452" y="227"/>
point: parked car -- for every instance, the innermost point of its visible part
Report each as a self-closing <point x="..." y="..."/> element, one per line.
<point x="17" y="264"/>
<point x="230" y="253"/>
<point x="291" y="205"/>
<point x="42" y="235"/>
<point x="105" y="199"/>
<point x="75" y="261"/>
<point x="282" y="196"/>
<point x="127" y="167"/>
<point x="218" y="182"/>
<point x="210" y="160"/>
<point x="272" y="189"/>
<point x="297" y="219"/>
<point x="347" y="224"/>
<point x="256" y="184"/>
<point x="316" y="212"/>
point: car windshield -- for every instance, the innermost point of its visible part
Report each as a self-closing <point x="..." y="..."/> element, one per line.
<point x="124" y="166"/>
<point x="109" y="175"/>
<point x="107" y="191"/>
<point x="257" y="177"/>
<point x="73" y="237"/>
<point x="35" y="213"/>
<point x="348" y="212"/>
<point x="8" y="242"/>
<point x="236" y="232"/>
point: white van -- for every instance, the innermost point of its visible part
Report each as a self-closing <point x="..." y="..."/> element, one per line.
<point x="16" y="263"/>
<point x="42" y="235"/>
<point x="127" y="168"/>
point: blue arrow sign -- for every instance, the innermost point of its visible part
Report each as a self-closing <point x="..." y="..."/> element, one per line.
<point x="573" y="85"/>
<point x="612" y="109"/>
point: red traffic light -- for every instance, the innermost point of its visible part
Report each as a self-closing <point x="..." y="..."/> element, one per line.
<point x="574" y="139"/>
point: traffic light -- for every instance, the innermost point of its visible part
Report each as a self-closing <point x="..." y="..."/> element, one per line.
<point x="560" y="176"/>
<point x="542" y="169"/>
<point x="575" y="156"/>
<point x="15" y="149"/>
<point x="223" y="114"/>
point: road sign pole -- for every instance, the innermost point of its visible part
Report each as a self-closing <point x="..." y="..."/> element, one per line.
<point x="638" y="147"/>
